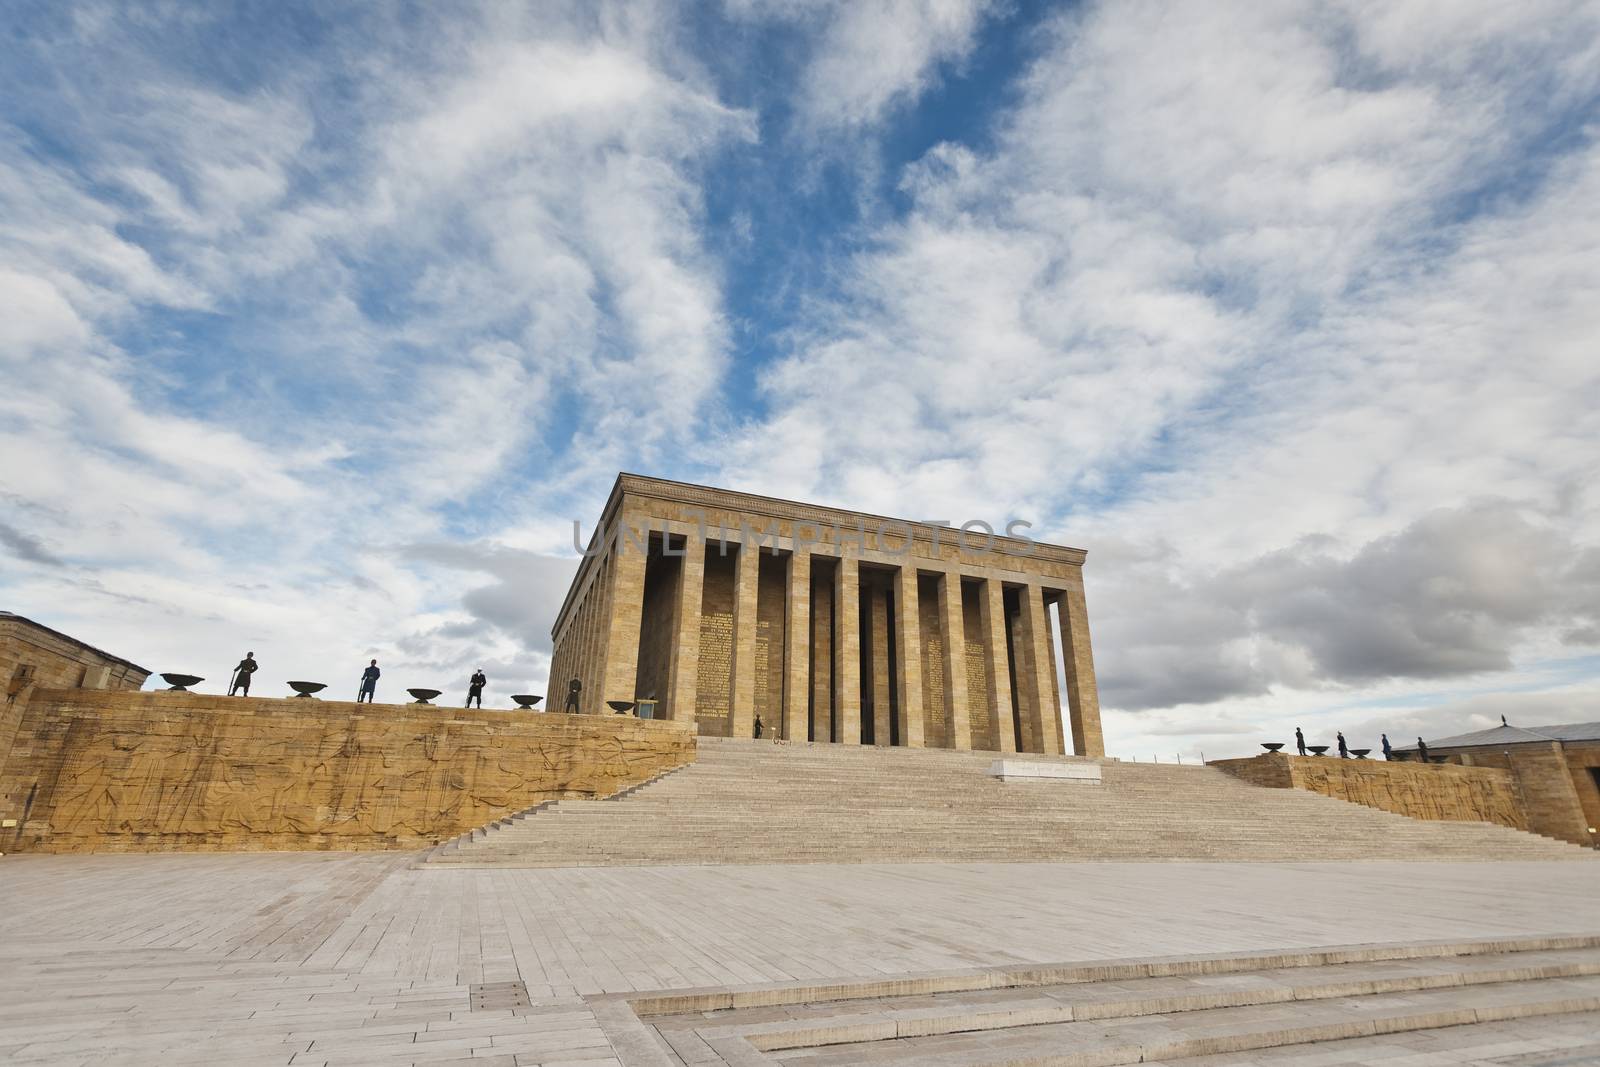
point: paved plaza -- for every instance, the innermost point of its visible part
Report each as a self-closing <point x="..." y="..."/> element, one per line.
<point x="354" y="959"/>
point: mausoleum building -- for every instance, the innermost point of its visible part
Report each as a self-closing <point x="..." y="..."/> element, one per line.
<point x="722" y="608"/>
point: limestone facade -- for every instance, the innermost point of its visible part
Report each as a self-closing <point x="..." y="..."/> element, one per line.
<point x="97" y="771"/>
<point x="828" y="625"/>
<point x="1435" y="792"/>
<point x="1558" y="783"/>
<point x="33" y="656"/>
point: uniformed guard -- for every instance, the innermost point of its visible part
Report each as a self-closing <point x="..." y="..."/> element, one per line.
<point x="369" y="682"/>
<point x="241" y="675"/>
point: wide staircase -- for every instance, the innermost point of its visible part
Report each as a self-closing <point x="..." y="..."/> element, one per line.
<point x="1531" y="1002"/>
<point x="761" y="802"/>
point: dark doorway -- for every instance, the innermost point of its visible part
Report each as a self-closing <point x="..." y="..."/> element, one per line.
<point x="868" y="660"/>
<point x="1013" y="602"/>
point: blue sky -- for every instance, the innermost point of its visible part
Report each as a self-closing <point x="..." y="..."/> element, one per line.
<point x="319" y="326"/>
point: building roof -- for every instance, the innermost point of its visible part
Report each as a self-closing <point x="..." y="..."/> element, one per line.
<point x="709" y="496"/>
<point x="1517" y="735"/>
<point x="11" y="616"/>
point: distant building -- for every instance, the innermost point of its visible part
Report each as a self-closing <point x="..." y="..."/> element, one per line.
<point x="34" y="654"/>
<point x="1556" y="770"/>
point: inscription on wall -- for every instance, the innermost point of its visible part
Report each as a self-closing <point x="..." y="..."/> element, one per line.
<point x="978" y="698"/>
<point x="716" y="671"/>
<point x="936" y="715"/>
<point x="765" y="705"/>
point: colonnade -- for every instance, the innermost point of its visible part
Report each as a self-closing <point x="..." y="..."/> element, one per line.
<point x="1019" y="706"/>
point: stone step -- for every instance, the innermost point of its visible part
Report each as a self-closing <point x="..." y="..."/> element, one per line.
<point x="757" y="802"/>
<point x="1113" y="1012"/>
<point x="1220" y="1030"/>
<point x="577" y="854"/>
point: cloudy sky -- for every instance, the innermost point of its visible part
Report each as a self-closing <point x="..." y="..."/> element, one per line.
<point x="320" y="324"/>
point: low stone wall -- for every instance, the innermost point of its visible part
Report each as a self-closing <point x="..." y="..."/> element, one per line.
<point x="96" y="771"/>
<point x="1439" y="792"/>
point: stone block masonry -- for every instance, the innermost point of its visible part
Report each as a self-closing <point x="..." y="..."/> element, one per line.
<point x="831" y="625"/>
<point x="1437" y="792"/>
<point x="36" y="655"/>
<point x="33" y="655"/>
<point x="95" y="771"/>
<point x="1557" y="783"/>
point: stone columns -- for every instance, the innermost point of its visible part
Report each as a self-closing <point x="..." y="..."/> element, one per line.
<point x="797" y="646"/>
<point x="997" y="664"/>
<point x="1040" y="666"/>
<point x="847" y="650"/>
<point x="683" y="681"/>
<point x="878" y="616"/>
<point x="742" y="695"/>
<point x="587" y="669"/>
<point x="1055" y="691"/>
<point x="908" y="655"/>
<point x="1083" y="695"/>
<point x="953" y="624"/>
<point x="621" y="635"/>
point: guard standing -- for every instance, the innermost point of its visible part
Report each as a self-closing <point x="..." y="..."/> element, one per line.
<point x="369" y="682"/>
<point x="242" y="673"/>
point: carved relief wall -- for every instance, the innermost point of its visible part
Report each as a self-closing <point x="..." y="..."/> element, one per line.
<point x="34" y="656"/>
<point x="1436" y="792"/>
<point x="160" y="771"/>
<point x="1557" y="790"/>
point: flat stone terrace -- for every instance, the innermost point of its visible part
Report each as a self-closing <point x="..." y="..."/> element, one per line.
<point x="364" y="959"/>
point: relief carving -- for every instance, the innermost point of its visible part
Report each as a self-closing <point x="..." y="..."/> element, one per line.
<point x="1439" y="793"/>
<point x="140" y="773"/>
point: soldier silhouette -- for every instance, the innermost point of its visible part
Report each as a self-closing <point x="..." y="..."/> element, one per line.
<point x="1388" y="752"/>
<point x="574" y="687"/>
<point x="1299" y="741"/>
<point x="1344" y="753"/>
<point x="758" y="727"/>
<point x="369" y="682"/>
<point x="1422" y="750"/>
<point x="475" y="688"/>
<point x="242" y="673"/>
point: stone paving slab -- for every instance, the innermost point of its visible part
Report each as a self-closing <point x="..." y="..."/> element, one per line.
<point x="258" y="958"/>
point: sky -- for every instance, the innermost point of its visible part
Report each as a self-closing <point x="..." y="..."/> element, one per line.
<point x="321" y="324"/>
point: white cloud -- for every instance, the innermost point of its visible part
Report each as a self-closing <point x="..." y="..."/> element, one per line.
<point x="37" y="316"/>
<point x="1285" y="312"/>
<point x="497" y="231"/>
<point x="873" y="57"/>
<point x="1233" y="278"/>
